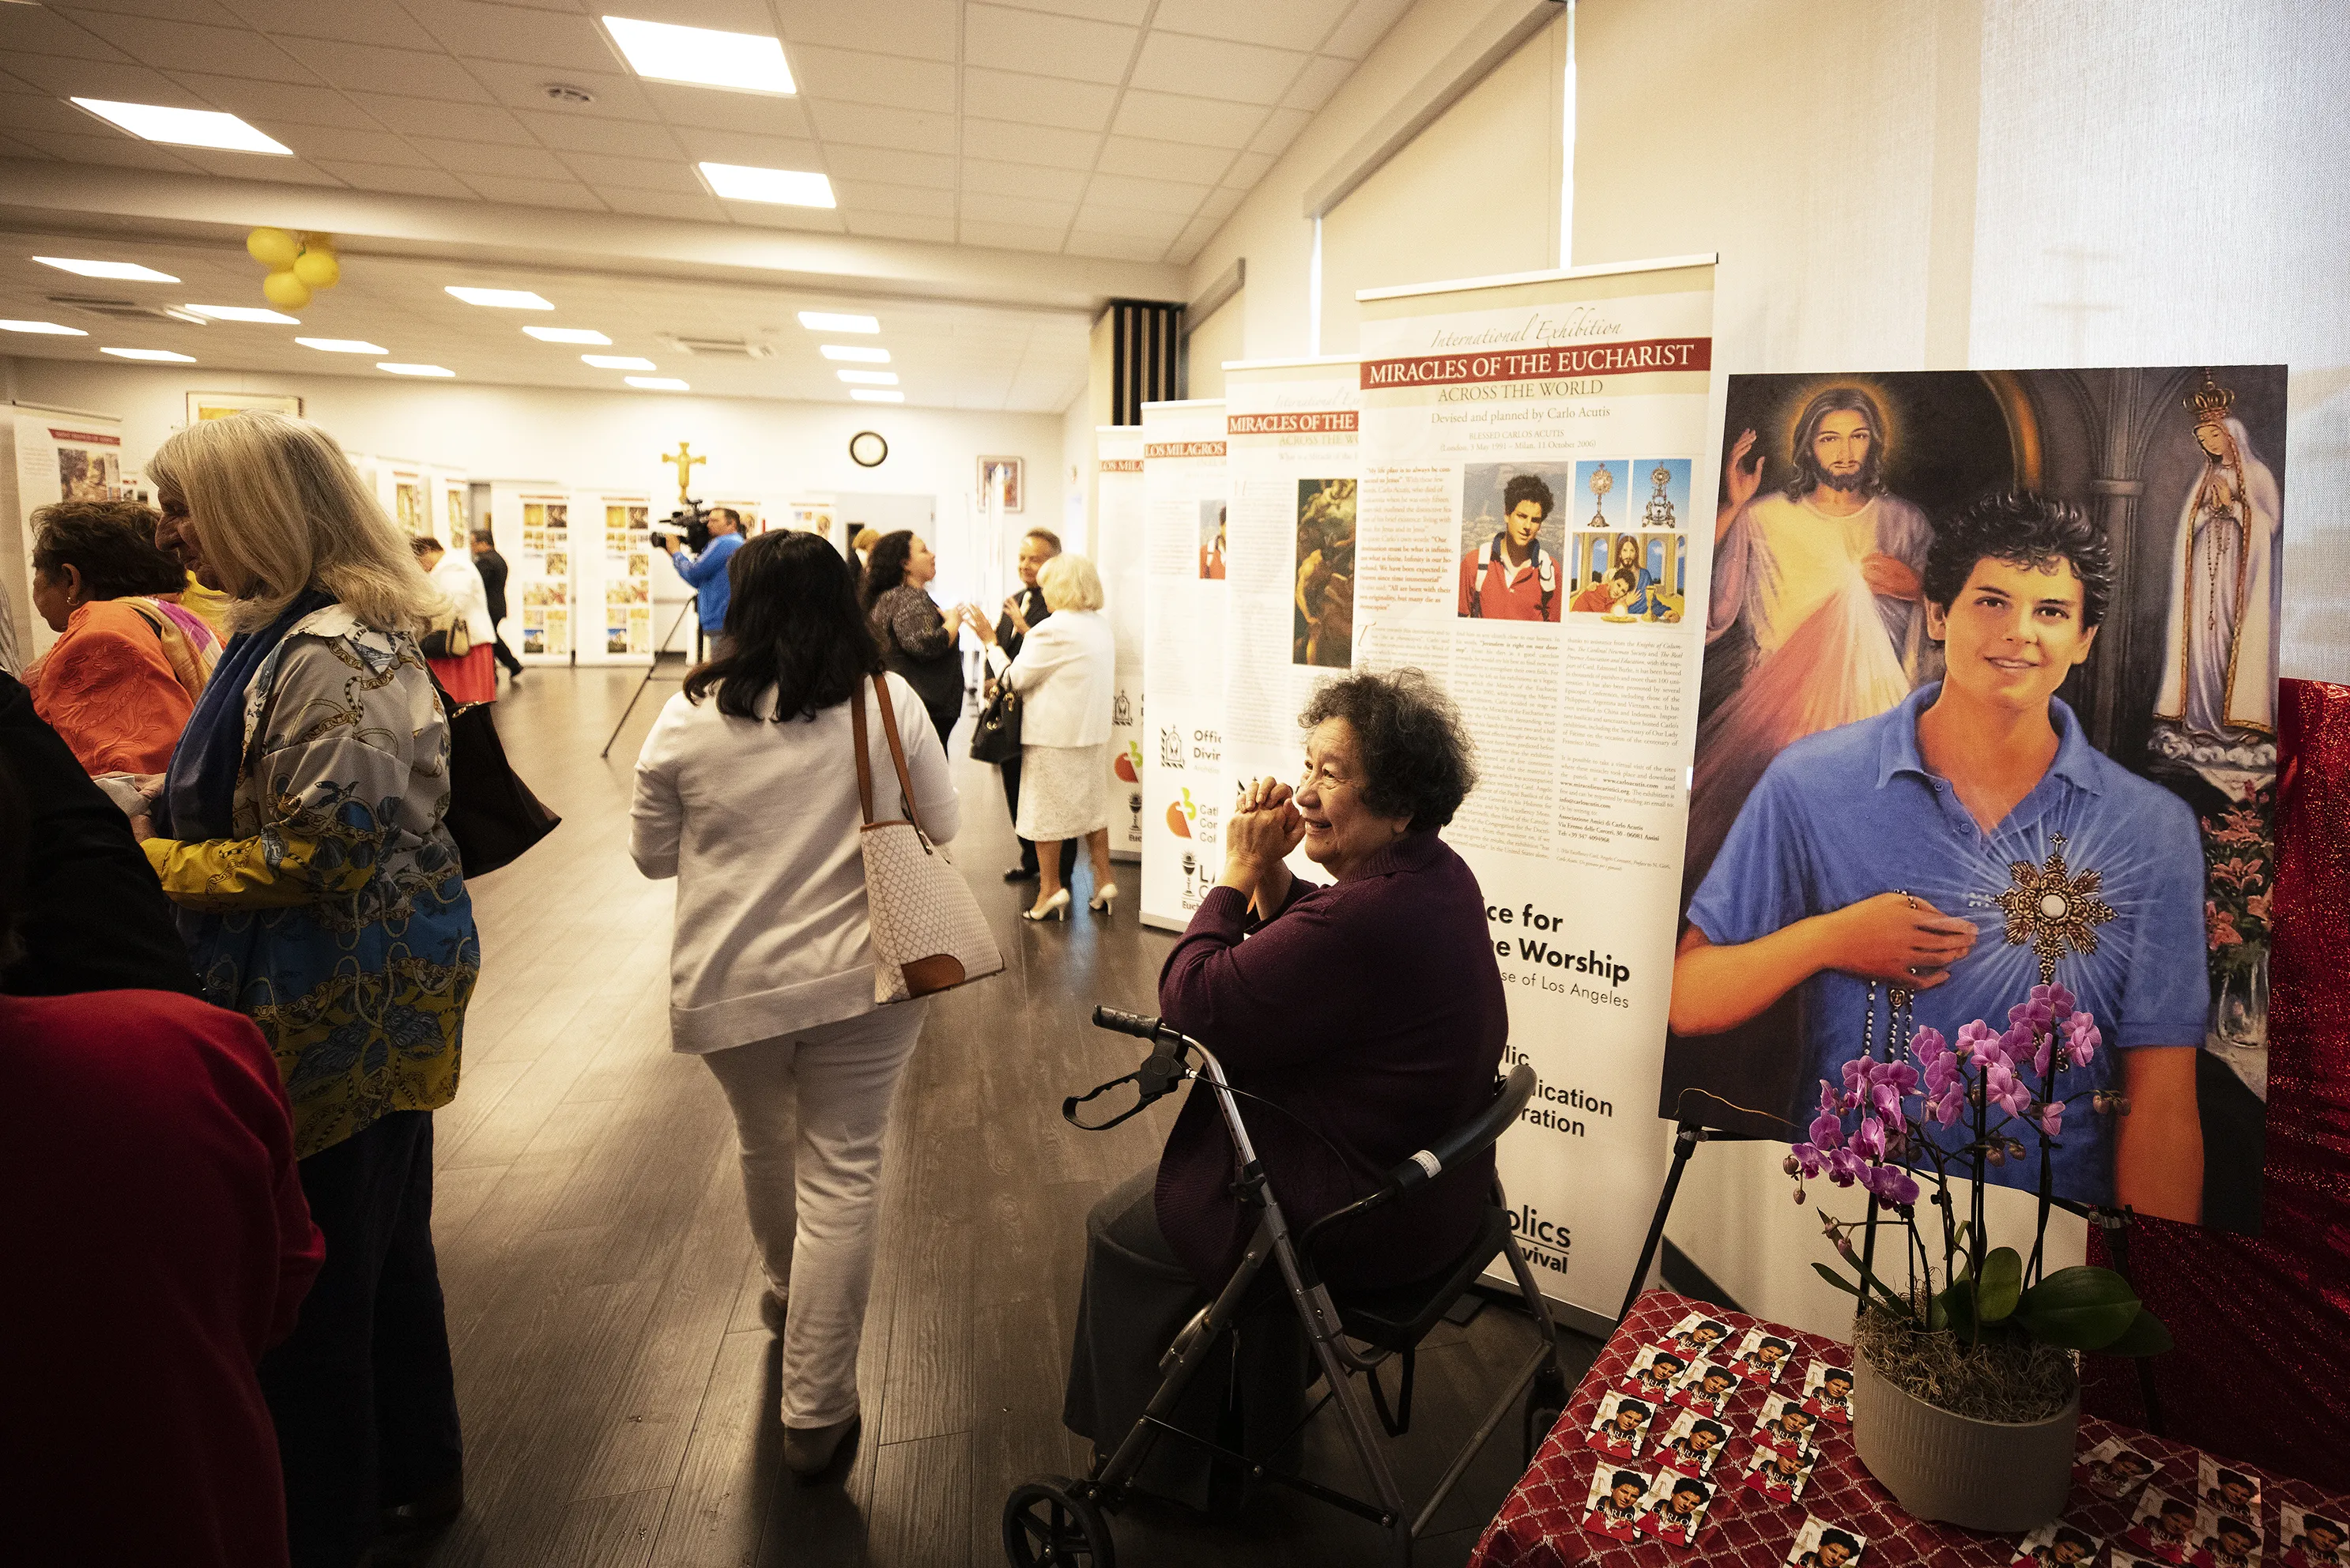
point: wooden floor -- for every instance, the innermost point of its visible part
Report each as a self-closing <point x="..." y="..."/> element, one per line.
<point x="618" y="1389"/>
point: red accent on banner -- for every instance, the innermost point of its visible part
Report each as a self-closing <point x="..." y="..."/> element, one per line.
<point x="1184" y="448"/>
<point x="1335" y="420"/>
<point x="1648" y="356"/>
<point x="86" y="438"/>
<point x="1121" y="465"/>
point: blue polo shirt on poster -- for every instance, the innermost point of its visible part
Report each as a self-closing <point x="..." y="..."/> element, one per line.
<point x="1852" y="812"/>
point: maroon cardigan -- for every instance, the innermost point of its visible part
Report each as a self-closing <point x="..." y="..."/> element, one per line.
<point x="1372" y="1010"/>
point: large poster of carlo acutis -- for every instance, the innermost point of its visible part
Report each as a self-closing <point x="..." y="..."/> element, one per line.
<point x="1989" y="702"/>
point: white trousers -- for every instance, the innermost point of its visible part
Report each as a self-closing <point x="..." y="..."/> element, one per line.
<point x="809" y="1112"/>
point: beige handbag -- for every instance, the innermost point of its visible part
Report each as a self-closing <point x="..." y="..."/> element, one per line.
<point x="928" y="932"/>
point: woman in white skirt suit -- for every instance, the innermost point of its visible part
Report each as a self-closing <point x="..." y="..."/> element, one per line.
<point x="1065" y="675"/>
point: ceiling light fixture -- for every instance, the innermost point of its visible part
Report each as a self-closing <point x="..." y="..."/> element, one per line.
<point x="857" y="356"/>
<point x="866" y="395"/>
<point x="188" y="316"/>
<point x="500" y="298"/>
<point x="619" y="361"/>
<point x="245" y="313"/>
<point x="157" y="353"/>
<point x="183" y="127"/>
<point x="566" y="334"/>
<point x="398" y="370"/>
<point x="129" y="272"/>
<point x="779" y="187"/>
<point x="831" y="321"/>
<point x="658" y="383"/>
<point x="868" y="378"/>
<point x="50" y="328"/>
<point x="342" y="344"/>
<point x="703" y="56"/>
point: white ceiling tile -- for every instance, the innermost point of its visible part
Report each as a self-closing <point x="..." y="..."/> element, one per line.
<point x="740" y="146"/>
<point x="895" y="226"/>
<point x="1189" y="244"/>
<point x="1022" y="40"/>
<point x="1247" y="170"/>
<point x="901" y="201"/>
<point x="1364" y="26"/>
<point x="726" y="15"/>
<point x="1144" y="196"/>
<point x="1241" y="72"/>
<point x="1321" y="77"/>
<point x="38" y="30"/>
<point x="231" y="51"/>
<point x="1159" y="227"/>
<point x="886" y="164"/>
<point x="1025" y="211"/>
<point x="700" y="205"/>
<point x="601" y="171"/>
<point x="768" y="215"/>
<point x="1174" y="117"/>
<point x="1218" y="206"/>
<point x="352" y="21"/>
<point x="39" y="112"/>
<point x="868" y="125"/>
<point x="1116" y="247"/>
<point x="207" y="11"/>
<point x="1290" y="25"/>
<point x="403" y="181"/>
<point x="525" y="87"/>
<point x="561" y="42"/>
<point x="984" y="178"/>
<point x="534" y="193"/>
<point x="343" y="145"/>
<point x="927" y="28"/>
<point x="1129" y="11"/>
<point x="411" y="73"/>
<point x="855" y="76"/>
<point x="1163" y="160"/>
<point x="758" y="113"/>
<point x="247" y="166"/>
<point x="479" y="158"/>
<point x="1280" y="128"/>
<point x="1011" y="143"/>
<point x="1011" y="236"/>
<point x="115" y="151"/>
<point x="421" y="117"/>
<point x="281" y="102"/>
<point x="69" y="77"/>
<point x="568" y="133"/>
<point x="1036" y="100"/>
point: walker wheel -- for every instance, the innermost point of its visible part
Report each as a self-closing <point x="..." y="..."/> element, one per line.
<point x="1052" y="1519"/>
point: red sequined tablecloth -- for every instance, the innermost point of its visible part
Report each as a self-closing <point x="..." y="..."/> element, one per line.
<point x="1540" y="1524"/>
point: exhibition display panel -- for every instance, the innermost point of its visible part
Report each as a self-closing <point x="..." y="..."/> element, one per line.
<point x="531" y="521"/>
<point x="1120" y="511"/>
<point x="1184" y="585"/>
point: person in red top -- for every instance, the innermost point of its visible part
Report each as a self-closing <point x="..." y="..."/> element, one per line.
<point x="159" y="1242"/>
<point x="1510" y="576"/>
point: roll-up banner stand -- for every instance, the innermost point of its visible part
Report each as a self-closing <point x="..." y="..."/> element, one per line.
<point x="1119" y="512"/>
<point x="531" y="521"/>
<point x="612" y="567"/>
<point x="1513" y="429"/>
<point x="1184" y="552"/>
<point x="1292" y="464"/>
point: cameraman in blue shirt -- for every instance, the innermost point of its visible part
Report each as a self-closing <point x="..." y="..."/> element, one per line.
<point x="1874" y="852"/>
<point x="705" y="571"/>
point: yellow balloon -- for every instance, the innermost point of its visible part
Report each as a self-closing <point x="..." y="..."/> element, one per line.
<point x="318" y="268"/>
<point x="271" y="247"/>
<point x="284" y="290"/>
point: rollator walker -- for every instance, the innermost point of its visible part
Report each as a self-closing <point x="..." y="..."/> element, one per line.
<point x="1054" y="1520"/>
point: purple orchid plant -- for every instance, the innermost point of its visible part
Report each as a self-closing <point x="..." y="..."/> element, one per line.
<point x="2006" y="1086"/>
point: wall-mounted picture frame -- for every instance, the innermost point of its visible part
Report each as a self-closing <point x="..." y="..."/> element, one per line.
<point x="203" y="406"/>
<point x="1012" y="474"/>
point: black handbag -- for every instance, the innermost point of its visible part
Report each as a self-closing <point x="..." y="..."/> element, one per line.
<point x="995" y="737"/>
<point x="492" y="814"/>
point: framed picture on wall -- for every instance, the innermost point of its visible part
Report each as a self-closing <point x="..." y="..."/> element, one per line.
<point x="203" y="406"/>
<point x="1011" y="474"/>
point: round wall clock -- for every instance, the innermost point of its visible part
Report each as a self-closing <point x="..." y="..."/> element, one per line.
<point x="867" y="448"/>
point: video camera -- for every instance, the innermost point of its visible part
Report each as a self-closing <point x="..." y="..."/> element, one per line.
<point x="689" y="524"/>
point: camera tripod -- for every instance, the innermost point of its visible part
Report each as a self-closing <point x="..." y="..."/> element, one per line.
<point x="653" y="670"/>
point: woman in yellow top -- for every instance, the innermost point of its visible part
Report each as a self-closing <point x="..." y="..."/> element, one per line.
<point x="299" y="831"/>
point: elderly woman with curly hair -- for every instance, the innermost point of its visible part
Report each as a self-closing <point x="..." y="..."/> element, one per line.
<point x="1365" y="1016"/>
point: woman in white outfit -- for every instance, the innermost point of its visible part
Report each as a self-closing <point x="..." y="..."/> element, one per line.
<point x="1065" y="675"/>
<point x="746" y="793"/>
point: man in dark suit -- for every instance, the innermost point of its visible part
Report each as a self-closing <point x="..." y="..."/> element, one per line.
<point x="1021" y="611"/>
<point x="492" y="568"/>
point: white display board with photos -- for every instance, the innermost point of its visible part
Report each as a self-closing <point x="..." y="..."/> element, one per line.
<point x="1120" y="511"/>
<point x="450" y="508"/>
<point x="612" y="576"/>
<point x="531" y="522"/>
<point x="405" y="489"/>
<point x="1183" y="656"/>
<point x="58" y="454"/>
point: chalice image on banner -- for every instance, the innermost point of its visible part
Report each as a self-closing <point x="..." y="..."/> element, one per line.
<point x="1659" y="513"/>
<point x="1602" y="482"/>
<point x="1134" y="805"/>
<point x="1191" y="874"/>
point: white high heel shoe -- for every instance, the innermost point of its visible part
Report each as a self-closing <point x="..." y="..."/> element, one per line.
<point x="1055" y="908"/>
<point x="1104" y="896"/>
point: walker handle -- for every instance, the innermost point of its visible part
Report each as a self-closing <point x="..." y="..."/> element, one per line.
<point x="1126" y="1022"/>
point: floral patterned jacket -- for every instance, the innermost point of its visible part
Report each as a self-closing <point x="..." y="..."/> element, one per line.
<point x="337" y="918"/>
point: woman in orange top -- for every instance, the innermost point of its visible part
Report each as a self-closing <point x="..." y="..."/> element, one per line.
<point x="124" y="674"/>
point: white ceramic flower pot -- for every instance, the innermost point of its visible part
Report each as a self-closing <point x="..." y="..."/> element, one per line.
<point x="2000" y="1476"/>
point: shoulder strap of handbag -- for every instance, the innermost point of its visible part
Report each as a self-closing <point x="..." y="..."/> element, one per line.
<point x="897" y="756"/>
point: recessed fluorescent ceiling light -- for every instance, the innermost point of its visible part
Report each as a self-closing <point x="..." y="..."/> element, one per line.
<point x="244" y="313"/>
<point x="619" y="361"/>
<point x="51" y="327"/>
<point x="858" y="355"/>
<point x="414" y="370"/>
<point x="162" y="354"/>
<point x="783" y="187"/>
<point x="747" y="62"/>
<point x="566" y="334"/>
<point x="868" y="378"/>
<point x="342" y="344"/>
<point x="658" y="383"/>
<point x="184" y="127"/>
<point x="194" y="320"/>
<point x="829" y="321"/>
<point x="865" y="394"/>
<point x="129" y="272"/>
<point x="500" y="298"/>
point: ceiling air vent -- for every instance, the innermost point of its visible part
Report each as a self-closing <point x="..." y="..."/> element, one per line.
<point x="120" y="309"/>
<point x="721" y="347"/>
